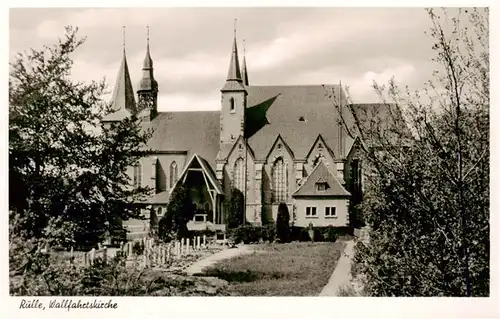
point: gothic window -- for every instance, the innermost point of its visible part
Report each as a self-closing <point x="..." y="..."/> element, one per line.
<point x="231" y="105"/>
<point x="279" y="181"/>
<point x="239" y="173"/>
<point x="137" y="175"/>
<point x="173" y="174"/>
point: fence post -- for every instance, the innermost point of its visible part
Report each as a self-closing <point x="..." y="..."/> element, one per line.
<point x="198" y="242"/>
<point x="187" y="246"/>
<point x="204" y="241"/>
<point x="92" y="256"/>
<point x="105" y="254"/>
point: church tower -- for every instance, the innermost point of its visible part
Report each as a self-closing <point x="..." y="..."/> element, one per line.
<point x="234" y="100"/>
<point x="148" y="87"/>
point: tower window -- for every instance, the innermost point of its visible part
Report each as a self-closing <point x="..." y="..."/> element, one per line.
<point x="231" y="105"/>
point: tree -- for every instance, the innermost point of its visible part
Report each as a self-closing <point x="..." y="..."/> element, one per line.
<point x="67" y="174"/>
<point x="180" y="210"/>
<point x="426" y="165"/>
<point x="235" y="214"/>
<point x="283" y="223"/>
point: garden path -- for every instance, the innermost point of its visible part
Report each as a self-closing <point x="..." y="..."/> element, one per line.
<point x="198" y="266"/>
<point x="342" y="273"/>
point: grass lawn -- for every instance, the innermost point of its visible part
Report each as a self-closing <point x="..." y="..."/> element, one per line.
<point x="294" y="269"/>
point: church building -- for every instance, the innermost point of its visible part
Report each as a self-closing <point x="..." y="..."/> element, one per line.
<point x="275" y="144"/>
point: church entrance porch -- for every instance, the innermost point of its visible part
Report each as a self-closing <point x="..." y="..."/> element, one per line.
<point x="206" y="195"/>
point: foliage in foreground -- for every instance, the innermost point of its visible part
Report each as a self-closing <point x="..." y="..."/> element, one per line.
<point x="180" y="210"/>
<point x="427" y="190"/>
<point x="68" y="181"/>
<point x="293" y="269"/>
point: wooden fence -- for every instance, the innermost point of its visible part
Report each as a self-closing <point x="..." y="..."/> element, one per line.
<point x="153" y="254"/>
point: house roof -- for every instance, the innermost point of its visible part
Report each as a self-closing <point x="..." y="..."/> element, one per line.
<point x="321" y="174"/>
<point x="276" y="110"/>
<point x="194" y="132"/>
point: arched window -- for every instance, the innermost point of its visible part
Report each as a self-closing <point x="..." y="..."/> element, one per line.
<point x="279" y="181"/>
<point x="173" y="174"/>
<point x="137" y="175"/>
<point x="239" y="174"/>
<point x="231" y="104"/>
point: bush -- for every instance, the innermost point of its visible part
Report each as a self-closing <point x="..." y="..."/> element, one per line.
<point x="138" y="248"/>
<point x="330" y="234"/>
<point x="268" y="232"/>
<point x="246" y="234"/>
<point x="283" y="223"/>
<point x="236" y="211"/>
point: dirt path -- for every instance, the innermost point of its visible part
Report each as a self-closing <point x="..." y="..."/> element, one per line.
<point x="198" y="266"/>
<point x="341" y="274"/>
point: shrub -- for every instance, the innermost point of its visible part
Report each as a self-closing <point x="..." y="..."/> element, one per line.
<point x="236" y="211"/>
<point x="247" y="234"/>
<point x="138" y="248"/>
<point x="330" y="234"/>
<point x="268" y="232"/>
<point x="283" y="223"/>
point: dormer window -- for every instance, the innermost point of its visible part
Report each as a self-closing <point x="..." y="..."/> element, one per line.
<point x="321" y="186"/>
<point x="231" y="105"/>
<point x="302" y="119"/>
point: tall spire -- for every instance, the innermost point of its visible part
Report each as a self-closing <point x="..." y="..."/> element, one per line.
<point x="123" y="93"/>
<point x="234" y="64"/>
<point x="244" y="71"/>
<point x="233" y="80"/>
<point x="148" y="83"/>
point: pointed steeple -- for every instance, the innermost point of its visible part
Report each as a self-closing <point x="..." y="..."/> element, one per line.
<point x="123" y="94"/>
<point x="148" y="88"/>
<point x="233" y="80"/>
<point x="147" y="83"/>
<point x="244" y="72"/>
<point x="234" y="64"/>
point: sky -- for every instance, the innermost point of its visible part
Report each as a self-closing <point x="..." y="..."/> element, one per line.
<point x="191" y="47"/>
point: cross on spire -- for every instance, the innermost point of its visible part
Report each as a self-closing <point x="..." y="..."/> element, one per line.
<point x="147" y="37"/>
<point x="123" y="37"/>
<point x="235" y="20"/>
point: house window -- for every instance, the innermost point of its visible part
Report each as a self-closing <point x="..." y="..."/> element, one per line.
<point x="311" y="211"/>
<point x="330" y="212"/>
<point x="231" y="105"/>
<point x="137" y="175"/>
<point x="239" y="173"/>
<point x="321" y="187"/>
<point x="279" y="181"/>
<point x="240" y="146"/>
<point x="173" y="174"/>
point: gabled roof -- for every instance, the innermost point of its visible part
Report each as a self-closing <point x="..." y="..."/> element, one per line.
<point x="321" y="174"/>
<point x="227" y="148"/>
<point x="206" y="169"/>
<point x="325" y="145"/>
<point x="244" y="72"/>
<point x="194" y="132"/>
<point x="276" y="110"/>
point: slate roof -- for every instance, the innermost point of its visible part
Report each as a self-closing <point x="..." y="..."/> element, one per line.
<point x="194" y="132"/>
<point x="276" y="110"/>
<point x="322" y="174"/>
<point x="123" y="99"/>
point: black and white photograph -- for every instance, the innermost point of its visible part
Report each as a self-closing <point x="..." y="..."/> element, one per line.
<point x="247" y="152"/>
